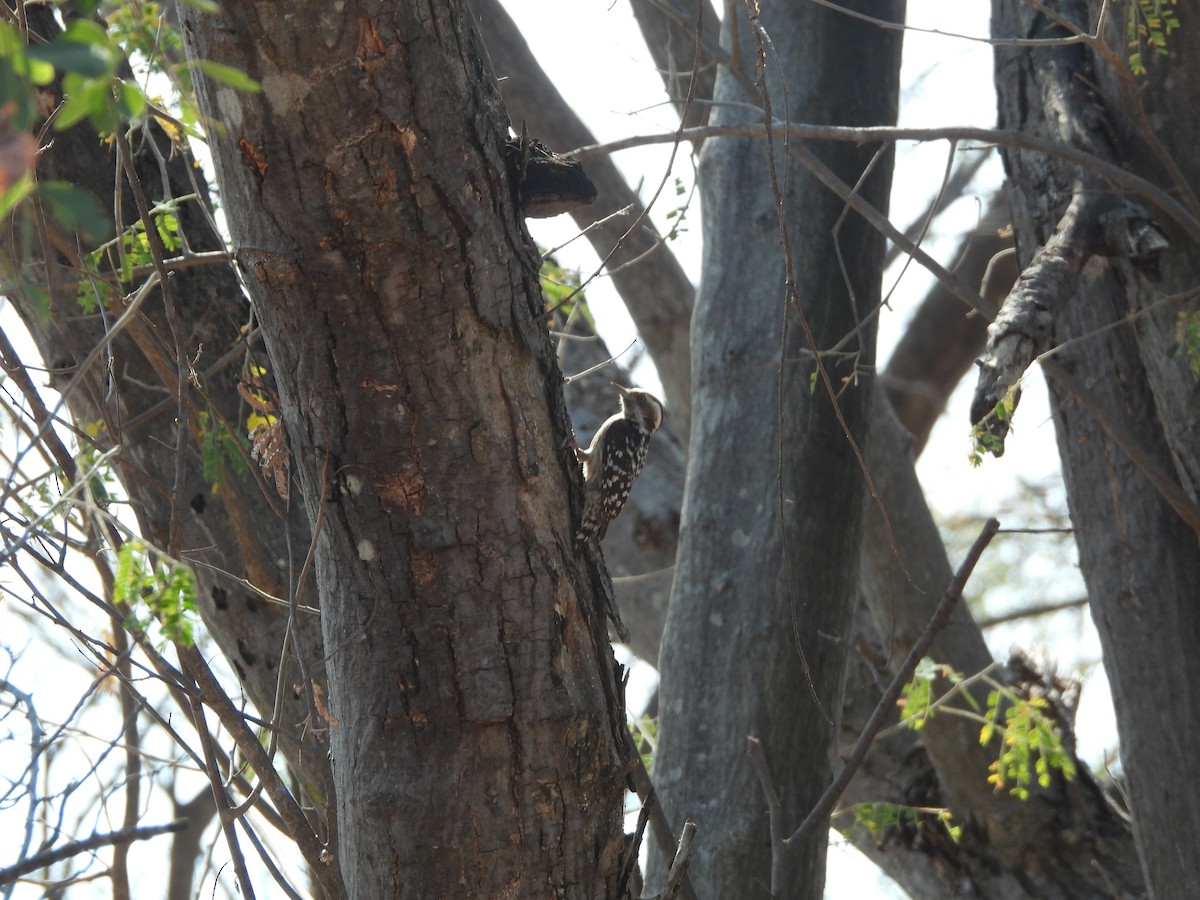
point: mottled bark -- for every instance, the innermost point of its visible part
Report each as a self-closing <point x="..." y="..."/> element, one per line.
<point x="399" y="303"/>
<point x="1140" y="561"/>
<point x="757" y="630"/>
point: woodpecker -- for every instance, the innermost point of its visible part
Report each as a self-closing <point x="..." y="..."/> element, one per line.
<point x="615" y="458"/>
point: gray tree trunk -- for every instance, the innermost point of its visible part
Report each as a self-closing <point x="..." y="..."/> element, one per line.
<point x="1125" y="405"/>
<point x="383" y="249"/>
<point x="759" y="623"/>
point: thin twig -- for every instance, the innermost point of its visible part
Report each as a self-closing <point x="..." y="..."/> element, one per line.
<point x="228" y="825"/>
<point x="318" y="858"/>
<point x="644" y="788"/>
<point x="758" y="757"/>
<point x="50" y="857"/>
<point x="677" y="878"/>
<point x="821" y="811"/>
<point x="1028" y="612"/>
<point x="991" y="136"/>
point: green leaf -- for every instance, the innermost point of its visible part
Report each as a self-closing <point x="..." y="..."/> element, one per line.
<point x="126" y="573"/>
<point x="72" y="53"/>
<point x="131" y="102"/>
<point x="85" y="97"/>
<point x="235" y="78"/>
<point x="75" y="209"/>
<point x="40" y="73"/>
<point x="15" y="193"/>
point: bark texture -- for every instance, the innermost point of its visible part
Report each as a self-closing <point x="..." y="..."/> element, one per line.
<point x="757" y="630"/>
<point x="386" y="259"/>
<point x="1140" y="560"/>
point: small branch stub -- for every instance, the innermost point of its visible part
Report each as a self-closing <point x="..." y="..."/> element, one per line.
<point x="548" y="183"/>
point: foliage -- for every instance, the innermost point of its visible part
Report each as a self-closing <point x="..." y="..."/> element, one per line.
<point x="563" y="290"/>
<point x="984" y="438"/>
<point x="1187" y="340"/>
<point x="1147" y="24"/>
<point x="1032" y="742"/>
<point x="166" y="587"/>
<point x="645" y="734"/>
<point x="222" y="449"/>
<point x="678" y="215"/>
<point x="1032" y="745"/>
<point x="126" y="254"/>
<point x="877" y="819"/>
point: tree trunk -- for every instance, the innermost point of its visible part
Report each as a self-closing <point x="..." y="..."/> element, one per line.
<point x="759" y="620"/>
<point x="1126" y="408"/>
<point x="398" y="297"/>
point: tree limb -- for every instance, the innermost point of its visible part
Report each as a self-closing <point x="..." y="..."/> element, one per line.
<point x="112" y="838"/>
<point x="820" y="812"/>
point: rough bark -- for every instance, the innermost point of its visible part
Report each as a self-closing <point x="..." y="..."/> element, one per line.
<point x="1140" y="561"/>
<point x="756" y="633"/>
<point x="1093" y="225"/>
<point x="399" y="302"/>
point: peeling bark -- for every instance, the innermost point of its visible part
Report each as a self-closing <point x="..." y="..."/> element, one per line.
<point x="1093" y="225"/>
<point x="1097" y="221"/>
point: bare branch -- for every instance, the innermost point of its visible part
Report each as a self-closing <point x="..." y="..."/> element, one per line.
<point x="49" y="857"/>
<point x="820" y="812"/>
<point x="1109" y="171"/>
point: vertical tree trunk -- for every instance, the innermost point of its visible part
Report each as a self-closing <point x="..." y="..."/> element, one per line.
<point x="382" y="245"/>
<point x="1125" y="405"/>
<point x="758" y="626"/>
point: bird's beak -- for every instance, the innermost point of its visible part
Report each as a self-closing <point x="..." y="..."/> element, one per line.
<point x="622" y="390"/>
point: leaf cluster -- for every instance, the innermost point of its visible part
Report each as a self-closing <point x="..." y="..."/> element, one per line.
<point x="987" y="434"/>
<point x="877" y="819"/>
<point x="165" y="587"/>
<point x="1032" y="745"/>
<point x="1147" y="24"/>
